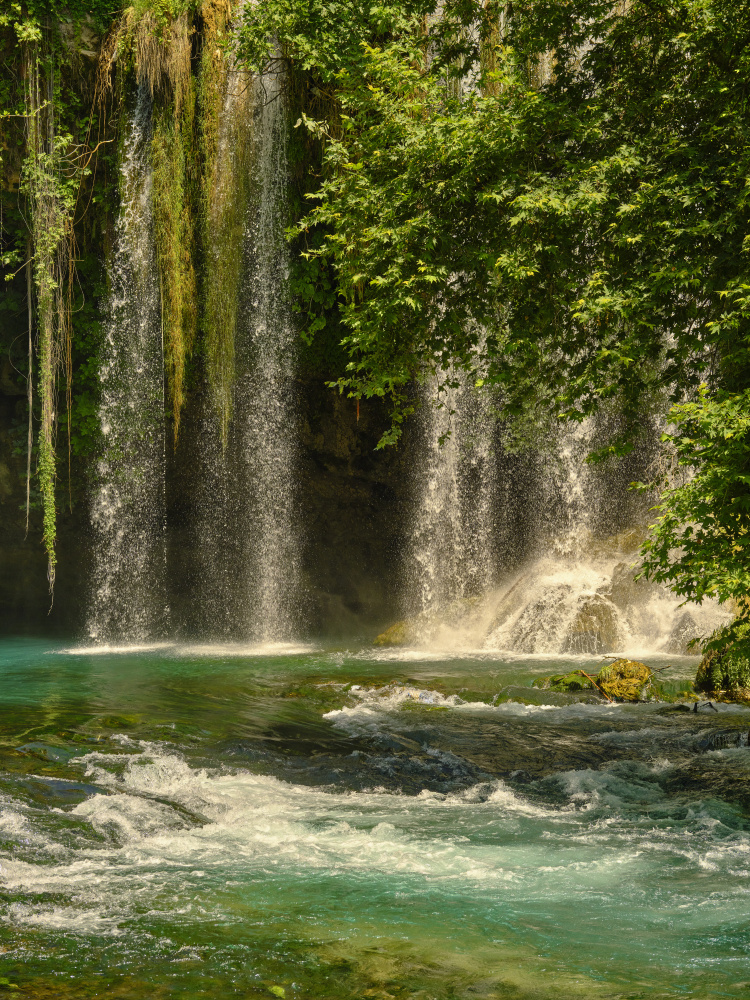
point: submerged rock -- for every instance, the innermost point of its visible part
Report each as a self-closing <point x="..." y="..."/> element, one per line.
<point x="625" y="591"/>
<point x="623" y="680"/>
<point x="566" y="683"/>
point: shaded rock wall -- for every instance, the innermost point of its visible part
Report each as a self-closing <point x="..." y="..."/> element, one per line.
<point x="352" y="505"/>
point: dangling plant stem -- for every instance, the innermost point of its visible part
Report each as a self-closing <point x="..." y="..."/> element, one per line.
<point x="51" y="203"/>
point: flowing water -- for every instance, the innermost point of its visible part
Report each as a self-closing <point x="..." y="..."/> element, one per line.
<point x="128" y="591"/>
<point x="577" y="591"/>
<point x="266" y="401"/>
<point x="451" y="550"/>
<point x="263" y="821"/>
<point x="249" y="537"/>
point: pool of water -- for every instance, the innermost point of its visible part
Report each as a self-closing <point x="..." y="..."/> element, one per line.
<point x="293" y="821"/>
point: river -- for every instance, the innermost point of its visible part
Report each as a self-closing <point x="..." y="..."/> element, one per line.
<point x="306" y="821"/>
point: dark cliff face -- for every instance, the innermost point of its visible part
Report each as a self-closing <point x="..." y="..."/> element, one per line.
<point x="353" y="502"/>
<point x="351" y="506"/>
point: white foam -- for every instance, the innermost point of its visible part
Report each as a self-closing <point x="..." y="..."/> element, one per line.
<point x="235" y="649"/>
<point x="406" y="654"/>
<point x="63" y="918"/>
<point x="366" y="716"/>
<point x="167" y="831"/>
<point x="106" y="649"/>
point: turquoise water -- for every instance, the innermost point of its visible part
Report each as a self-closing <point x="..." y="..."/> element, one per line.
<point x="218" y="821"/>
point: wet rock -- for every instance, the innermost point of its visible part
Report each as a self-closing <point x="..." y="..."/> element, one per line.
<point x="540" y="618"/>
<point x="724" y="739"/>
<point x="47" y="752"/>
<point x="81" y="40"/>
<point x="684" y="631"/>
<point x="623" y="680"/>
<point x="626" y="542"/>
<point x="465" y="613"/>
<point x="399" y="634"/>
<point x="566" y="683"/>
<point x="595" y="628"/>
<point x="627" y="592"/>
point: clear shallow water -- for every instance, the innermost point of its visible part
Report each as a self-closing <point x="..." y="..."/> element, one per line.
<point x="225" y="821"/>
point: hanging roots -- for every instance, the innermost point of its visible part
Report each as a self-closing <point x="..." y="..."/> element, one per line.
<point x="161" y="49"/>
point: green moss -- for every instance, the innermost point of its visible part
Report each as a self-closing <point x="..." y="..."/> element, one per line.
<point x="399" y="634"/>
<point x="225" y="144"/>
<point x="173" y="229"/>
<point x="622" y="680"/>
<point x="566" y="683"/>
<point x="725" y="666"/>
<point x="625" y="680"/>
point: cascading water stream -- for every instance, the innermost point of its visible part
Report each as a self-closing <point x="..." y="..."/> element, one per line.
<point x="128" y="597"/>
<point x="451" y="555"/>
<point x="266" y="411"/>
<point x="576" y="593"/>
<point x="250" y="532"/>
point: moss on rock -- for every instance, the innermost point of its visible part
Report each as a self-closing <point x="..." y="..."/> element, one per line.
<point x="622" y="680"/>
<point x="594" y="629"/>
<point x="625" y="680"/>
<point x="725" y="667"/>
<point x="399" y="634"/>
<point x="566" y="683"/>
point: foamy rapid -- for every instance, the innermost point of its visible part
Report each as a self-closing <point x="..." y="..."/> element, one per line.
<point x="159" y="827"/>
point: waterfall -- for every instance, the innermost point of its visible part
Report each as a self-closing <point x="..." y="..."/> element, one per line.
<point x="265" y="399"/>
<point x="451" y="555"/>
<point x="576" y="590"/>
<point x="249" y="533"/>
<point x="128" y="599"/>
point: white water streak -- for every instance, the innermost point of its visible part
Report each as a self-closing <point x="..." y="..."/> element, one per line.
<point x="249" y="536"/>
<point x="451" y="551"/>
<point x="266" y="411"/>
<point x="128" y="599"/>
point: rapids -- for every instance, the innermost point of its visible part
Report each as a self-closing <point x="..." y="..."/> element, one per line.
<point x="288" y="820"/>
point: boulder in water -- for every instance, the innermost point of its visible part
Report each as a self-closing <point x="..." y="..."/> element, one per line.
<point x="626" y="592"/>
<point x="623" y="680"/>
<point x="566" y="683"/>
<point x="594" y="628"/>
<point x="399" y="634"/>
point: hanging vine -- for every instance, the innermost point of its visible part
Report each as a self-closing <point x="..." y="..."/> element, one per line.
<point x="49" y="181"/>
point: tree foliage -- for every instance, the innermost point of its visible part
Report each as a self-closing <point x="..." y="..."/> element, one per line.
<point x="700" y="544"/>
<point x="584" y="236"/>
<point x="553" y="197"/>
